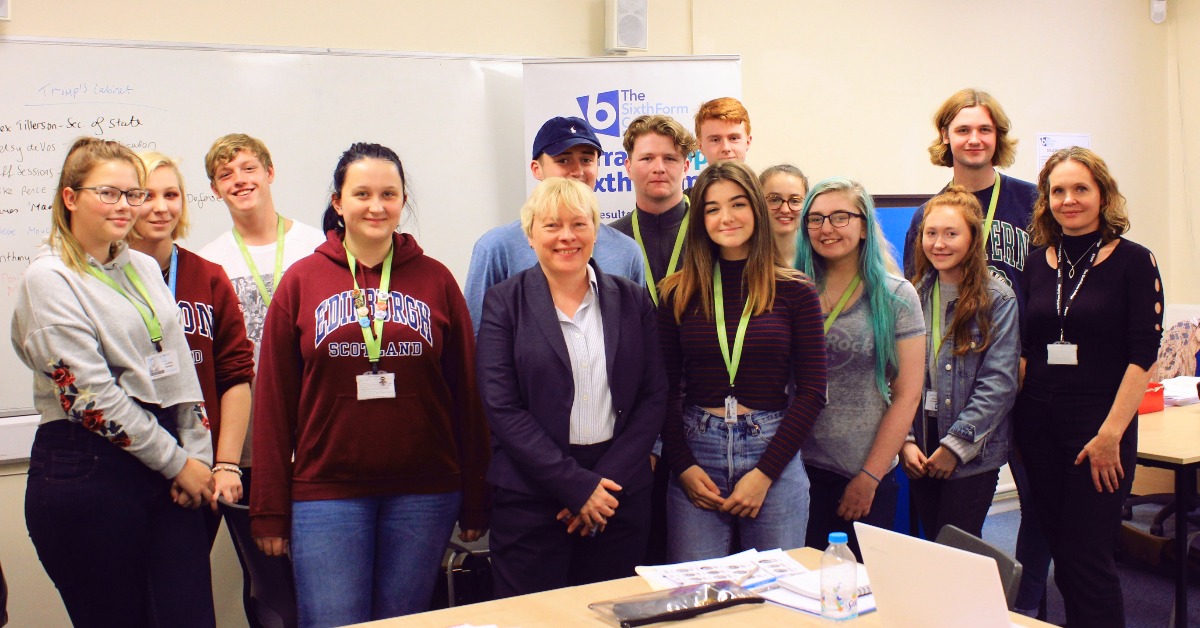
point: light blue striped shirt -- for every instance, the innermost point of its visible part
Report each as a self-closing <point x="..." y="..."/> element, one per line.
<point x="592" y="416"/>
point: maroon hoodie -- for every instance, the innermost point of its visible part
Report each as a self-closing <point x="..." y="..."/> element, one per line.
<point x="431" y="438"/>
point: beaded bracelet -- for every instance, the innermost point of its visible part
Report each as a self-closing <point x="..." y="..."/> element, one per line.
<point x="221" y="466"/>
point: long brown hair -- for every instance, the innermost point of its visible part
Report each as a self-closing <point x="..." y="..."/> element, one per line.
<point x="1006" y="146"/>
<point x="974" y="299"/>
<point x="763" y="267"/>
<point x="1114" y="221"/>
<point x="85" y="154"/>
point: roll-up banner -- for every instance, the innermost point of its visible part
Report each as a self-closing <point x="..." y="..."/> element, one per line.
<point x="610" y="93"/>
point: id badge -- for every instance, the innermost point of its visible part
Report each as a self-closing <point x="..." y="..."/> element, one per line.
<point x="931" y="401"/>
<point x="1063" y="353"/>
<point x="379" y="385"/>
<point x="730" y="409"/>
<point x="162" y="364"/>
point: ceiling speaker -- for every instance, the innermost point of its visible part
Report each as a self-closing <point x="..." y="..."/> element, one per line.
<point x="626" y="25"/>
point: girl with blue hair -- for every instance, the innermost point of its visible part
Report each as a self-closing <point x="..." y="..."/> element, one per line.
<point x="875" y="348"/>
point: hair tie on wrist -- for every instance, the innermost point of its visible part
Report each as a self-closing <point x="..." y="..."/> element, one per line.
<point x="871" y="475"/>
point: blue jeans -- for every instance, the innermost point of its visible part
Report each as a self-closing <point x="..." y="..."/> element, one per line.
<point x="368" y="558"/>
<point x="726" y="453"/>
<point x="120" y="552"/>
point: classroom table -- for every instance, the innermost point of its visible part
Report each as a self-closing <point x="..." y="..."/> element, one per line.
<point x="1171" y="440"/>
<point x="569" y="607"/>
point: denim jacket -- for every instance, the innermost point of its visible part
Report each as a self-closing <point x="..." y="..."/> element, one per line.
<point x="975" y="404"/>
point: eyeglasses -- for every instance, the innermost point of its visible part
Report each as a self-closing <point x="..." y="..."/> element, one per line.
<point x="111" y="195"/>
<point x="775" y="201"/>
<point x="838" y="219"/>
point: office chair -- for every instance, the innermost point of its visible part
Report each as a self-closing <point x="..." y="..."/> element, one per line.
<point x="1010" y="569"/>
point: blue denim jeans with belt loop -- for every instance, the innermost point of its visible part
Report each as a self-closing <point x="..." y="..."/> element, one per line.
<point x="727" y="452"/>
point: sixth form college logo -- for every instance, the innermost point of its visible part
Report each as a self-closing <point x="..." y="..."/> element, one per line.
<point x="600" y="112"/>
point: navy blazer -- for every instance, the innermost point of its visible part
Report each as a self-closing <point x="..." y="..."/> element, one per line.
<point x="527" y="387"/>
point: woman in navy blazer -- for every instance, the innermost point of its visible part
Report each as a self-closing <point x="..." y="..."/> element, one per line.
<point x="575" y="391"/>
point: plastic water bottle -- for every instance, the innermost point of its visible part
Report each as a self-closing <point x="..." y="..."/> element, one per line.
<point x="839" y="579"/>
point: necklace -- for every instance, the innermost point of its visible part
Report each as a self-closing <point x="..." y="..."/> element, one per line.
<point x="1071" y="273"/>
<point x="827" y="300"/>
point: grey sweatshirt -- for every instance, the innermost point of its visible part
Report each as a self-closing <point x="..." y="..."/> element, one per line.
<point x="87" y="346"/>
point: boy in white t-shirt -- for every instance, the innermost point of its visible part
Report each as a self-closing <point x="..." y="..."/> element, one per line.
<point x="240" y="171"/>
<point x="255" y="254"/>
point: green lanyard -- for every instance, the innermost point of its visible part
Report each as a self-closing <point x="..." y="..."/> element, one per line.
<point x="372" y="332"/>
<point x="991" y="213"/>
<point x="671" y="265"/>
<point x="731" y="362"/>
<point x="841" y="304"/>
<point x="149" y="315"/>
<point x="262" y="287"/>
<point x="936" y="306"/>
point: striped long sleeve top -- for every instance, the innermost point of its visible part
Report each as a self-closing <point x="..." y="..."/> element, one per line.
<point x="783" y="345"/>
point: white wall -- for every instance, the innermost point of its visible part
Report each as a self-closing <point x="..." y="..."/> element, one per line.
<point x="835" y="87"/>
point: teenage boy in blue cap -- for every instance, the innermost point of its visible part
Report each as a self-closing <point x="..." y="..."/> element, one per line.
<point x="563" y="147"/>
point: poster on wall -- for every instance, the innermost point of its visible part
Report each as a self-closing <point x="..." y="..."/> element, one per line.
<point x="610" y="93"/>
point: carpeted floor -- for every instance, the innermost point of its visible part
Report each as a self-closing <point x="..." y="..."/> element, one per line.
<point x="1149" y="591"/>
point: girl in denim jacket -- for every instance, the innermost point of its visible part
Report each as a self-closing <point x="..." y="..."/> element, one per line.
<point x="960" y="436"/>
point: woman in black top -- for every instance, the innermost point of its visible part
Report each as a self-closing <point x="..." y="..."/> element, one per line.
<point x="1085" y="359"/>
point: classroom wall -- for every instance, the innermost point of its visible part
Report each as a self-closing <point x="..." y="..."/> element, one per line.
<point x="1182" y="219"/>
<point x="834" y="87"/>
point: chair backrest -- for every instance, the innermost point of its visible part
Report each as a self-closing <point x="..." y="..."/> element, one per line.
<point x="1010" y="569"/>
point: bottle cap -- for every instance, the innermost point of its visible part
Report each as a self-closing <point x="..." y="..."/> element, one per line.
<point x="838" y="537"/>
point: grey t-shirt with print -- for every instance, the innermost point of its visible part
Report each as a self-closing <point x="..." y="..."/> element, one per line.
<point x="846" y="429"/>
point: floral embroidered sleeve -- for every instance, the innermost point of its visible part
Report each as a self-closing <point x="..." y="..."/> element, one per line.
<point x="74" y="378"/>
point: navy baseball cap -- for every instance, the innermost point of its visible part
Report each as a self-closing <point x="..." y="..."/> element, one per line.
<point x="559" y="134"/>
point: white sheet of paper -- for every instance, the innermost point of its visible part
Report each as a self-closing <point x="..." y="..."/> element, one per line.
<point x="1049" y="143"/>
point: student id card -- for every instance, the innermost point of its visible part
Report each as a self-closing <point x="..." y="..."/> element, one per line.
<point x="931" y="401"/>
<point x="731" y="412"/>
<point x="379" y="385"/>
<point x="1062" y="353"/>
<point x="162" y="364"/>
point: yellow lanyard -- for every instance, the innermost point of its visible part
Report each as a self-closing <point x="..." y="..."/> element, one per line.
<point x="149" y="314"/>
<point x="731" y="361"/>
<point x="671" y="265"/>
<point x="262" y="287"/>
<point x="936" y="305"/>
<point x="372" y="331"/>
<point x="841" y="304"/>
<point x="991" y="212"/>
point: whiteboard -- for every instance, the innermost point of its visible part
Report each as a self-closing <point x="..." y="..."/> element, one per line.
<point x="455" y="121"/>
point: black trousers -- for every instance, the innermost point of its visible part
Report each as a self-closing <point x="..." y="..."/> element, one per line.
<point x="1080" y="524"/>
<point x="825" y="494"/>
<point x="960" y="502"/>
<point x="531" y="550"/>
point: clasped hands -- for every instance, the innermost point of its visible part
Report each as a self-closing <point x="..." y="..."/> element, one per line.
<point x="593" y="516"/>
<point x="194" y="486"/>
<point x="938" y="466"/>
<point x="745" y="500"/>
